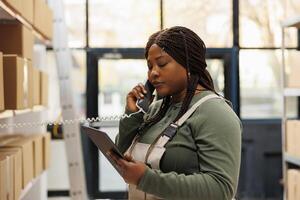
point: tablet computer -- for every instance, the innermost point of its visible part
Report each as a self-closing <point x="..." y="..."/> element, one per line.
<point x="104" y="144"/>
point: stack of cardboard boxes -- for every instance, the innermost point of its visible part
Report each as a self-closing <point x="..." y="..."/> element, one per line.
<point x="36" y="12"/>
<point x="21" y="84"/>
<point x="22" y="158"/>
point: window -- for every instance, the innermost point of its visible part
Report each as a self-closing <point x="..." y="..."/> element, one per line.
<point x="210" y="19"/>
<point x="260" y="83"/>
<point x="260" y="22"/>
<point x="75" y="19"/>
<point x="122" y="23"/>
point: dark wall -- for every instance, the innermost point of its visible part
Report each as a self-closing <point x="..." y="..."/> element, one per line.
<point x="261" y="167"/>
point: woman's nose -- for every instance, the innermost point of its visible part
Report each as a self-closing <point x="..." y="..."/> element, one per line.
<point x="153" y="73"/>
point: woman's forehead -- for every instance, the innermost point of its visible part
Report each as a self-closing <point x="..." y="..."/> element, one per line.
<point x="155" y="52"/>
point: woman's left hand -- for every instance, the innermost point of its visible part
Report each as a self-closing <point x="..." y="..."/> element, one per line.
<point x="132" y="171"/>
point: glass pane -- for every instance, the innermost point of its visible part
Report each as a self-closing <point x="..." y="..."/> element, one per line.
<point x="109" y="179"/>
<point x="78" y="75"/>
<point x="122" y="23"/>
<point x="210" y="19"/>
<point x="260" y="84"/>
<point x="216" y="69"/>
<point x="116" y="79"/>
<point x="292" y="71"/>
<point x="260" y="22"/>
<point x="75" y="19"/>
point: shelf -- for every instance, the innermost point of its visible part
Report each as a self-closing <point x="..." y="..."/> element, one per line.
<point x="292" y="92"/>
<point x="293" y="22"/>
<point x="6" y="13"/>
<point x="30" y="185"/>
<point x="292" y="159"/>
<point x="11" y="113"/>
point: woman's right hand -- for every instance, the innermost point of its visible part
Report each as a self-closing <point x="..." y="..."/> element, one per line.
<point x="136" y="93"/>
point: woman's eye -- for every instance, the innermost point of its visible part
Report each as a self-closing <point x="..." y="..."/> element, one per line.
<point x="162" y="64"/>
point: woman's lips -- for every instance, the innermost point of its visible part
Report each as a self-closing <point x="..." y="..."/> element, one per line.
<point x="157" y="84"/>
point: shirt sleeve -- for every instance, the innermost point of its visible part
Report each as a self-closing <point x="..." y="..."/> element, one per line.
<point x="128" y="127"/>
<point x="218" y="141"/>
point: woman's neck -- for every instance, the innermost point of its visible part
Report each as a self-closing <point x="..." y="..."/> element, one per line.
<point x="180" y="97"/>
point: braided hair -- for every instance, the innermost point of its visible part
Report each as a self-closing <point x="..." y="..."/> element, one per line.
<point x="187" y="48"/>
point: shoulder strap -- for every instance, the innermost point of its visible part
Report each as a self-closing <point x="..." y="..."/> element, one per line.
<point x="171" y="130"/>
<point x="190" y="111"/>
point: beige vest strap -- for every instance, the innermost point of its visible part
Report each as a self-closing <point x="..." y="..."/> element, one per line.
<point x="164" y="139"/>
<point x="139" y="150"/>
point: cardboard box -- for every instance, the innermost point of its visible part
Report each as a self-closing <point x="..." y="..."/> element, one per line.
<point x="44" y="89"/>
<point x="48" y="22"/>
<point x="27" y="10"/>
<point x="17" y="169"/>
<point x="9" y="175"/>
<point x="38" y="14"/>
<point x="18" y="83"/>
<point x="37" y="152"/>
<point x="36" y="86"/>
<point x="14" y="5"/>
<point x="1" y="83"/>
<point x="43" y="18"/>
<point x="293" y="77"/>
<point x="26" y="146"/>
<point x="293" y="137"/>
<point x="46" y="150"/>
<point x="16" y="39"/>
<point x="293" y="184"/>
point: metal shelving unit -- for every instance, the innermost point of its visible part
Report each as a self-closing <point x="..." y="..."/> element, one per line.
<point x="288" y="160"/>
<point x="36" y="188"/>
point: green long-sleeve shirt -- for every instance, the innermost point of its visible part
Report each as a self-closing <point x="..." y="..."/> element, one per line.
<point x="202" y="161"/>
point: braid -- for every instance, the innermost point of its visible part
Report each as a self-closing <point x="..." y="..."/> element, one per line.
<point x="192" y="85"/>
<point x="187" y="48"/>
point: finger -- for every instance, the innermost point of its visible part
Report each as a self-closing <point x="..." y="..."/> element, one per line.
<point x="114" y="157"/>
<point x="143" y="88"/>
<point x="137" y="91"/>
<point x="128" y="157"/>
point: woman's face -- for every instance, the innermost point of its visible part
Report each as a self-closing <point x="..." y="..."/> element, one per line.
<point x="167" y="76"/>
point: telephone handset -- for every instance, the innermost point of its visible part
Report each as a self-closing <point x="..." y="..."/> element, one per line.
<point x="144" y="103"/>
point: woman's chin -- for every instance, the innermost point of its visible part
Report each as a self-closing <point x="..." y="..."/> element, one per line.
<point x="162" y="93"/>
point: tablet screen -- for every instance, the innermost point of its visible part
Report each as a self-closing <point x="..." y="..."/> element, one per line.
<point x="104" y="143"/>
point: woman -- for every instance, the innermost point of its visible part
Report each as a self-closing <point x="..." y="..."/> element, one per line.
<point x="170" y="154"/>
